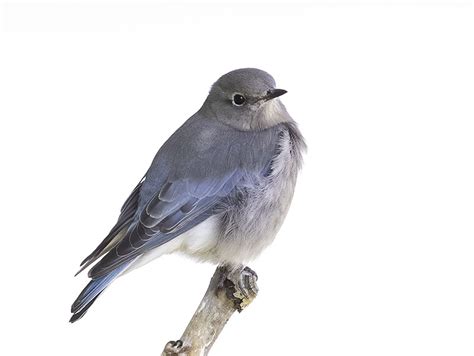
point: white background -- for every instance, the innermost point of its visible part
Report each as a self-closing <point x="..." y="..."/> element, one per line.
<point x="376" y="255"/>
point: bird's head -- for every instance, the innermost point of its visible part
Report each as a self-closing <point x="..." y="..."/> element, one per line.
<point x="246" y="99"/>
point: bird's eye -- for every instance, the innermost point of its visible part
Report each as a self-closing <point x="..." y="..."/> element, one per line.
<point x="238" y="100"/>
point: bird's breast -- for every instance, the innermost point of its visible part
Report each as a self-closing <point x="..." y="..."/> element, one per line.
<point x="250" y="225"/>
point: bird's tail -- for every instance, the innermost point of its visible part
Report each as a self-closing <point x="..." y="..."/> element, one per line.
<point x="92" y="291"/>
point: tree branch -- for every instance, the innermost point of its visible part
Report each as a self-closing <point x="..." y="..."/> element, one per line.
<point x="228" y="291"/>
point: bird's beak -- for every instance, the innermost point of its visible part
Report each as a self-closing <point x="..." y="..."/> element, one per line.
<point x="274" y="93"/>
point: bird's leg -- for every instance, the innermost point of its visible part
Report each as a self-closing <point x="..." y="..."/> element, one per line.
<point x="240" y="285"/>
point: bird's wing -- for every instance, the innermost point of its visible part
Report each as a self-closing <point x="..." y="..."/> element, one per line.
<point x="200" y="178"/>
<point x="127" y="213"/>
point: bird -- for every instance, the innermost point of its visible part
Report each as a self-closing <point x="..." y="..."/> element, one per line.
<point x="218" y="189"/>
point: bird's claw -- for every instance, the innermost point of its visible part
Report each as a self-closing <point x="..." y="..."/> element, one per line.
<point x="241" y="287"/>
<point x="174" y="348"/>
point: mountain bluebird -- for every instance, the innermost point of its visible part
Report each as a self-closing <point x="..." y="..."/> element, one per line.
<point x="217" y="190"/>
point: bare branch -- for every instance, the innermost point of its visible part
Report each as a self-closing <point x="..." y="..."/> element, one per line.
<point x="228" y="291"/>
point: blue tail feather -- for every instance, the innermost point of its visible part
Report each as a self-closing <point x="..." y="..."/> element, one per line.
<point x="93" y="289"/>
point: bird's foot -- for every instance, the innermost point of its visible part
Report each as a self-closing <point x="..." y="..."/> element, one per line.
<point x="174" y="348"/>
<point x="241" y="287"/>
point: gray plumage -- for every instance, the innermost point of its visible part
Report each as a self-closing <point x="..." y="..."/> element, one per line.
<point x="218" y="189"/>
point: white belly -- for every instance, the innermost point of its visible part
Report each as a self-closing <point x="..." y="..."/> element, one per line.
<point x="197" y="241"/>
